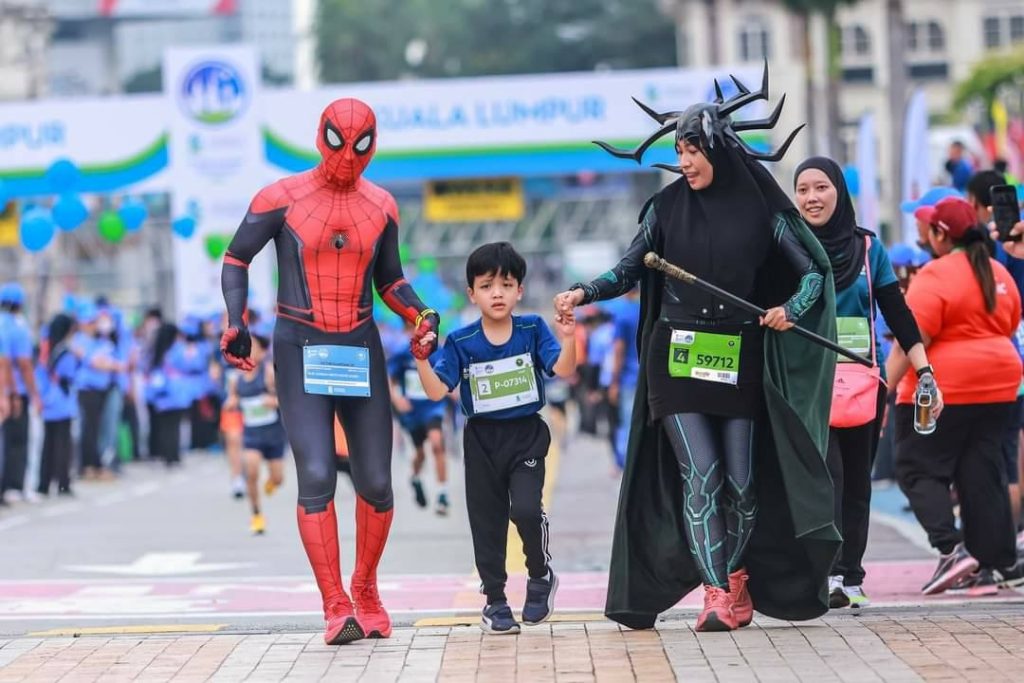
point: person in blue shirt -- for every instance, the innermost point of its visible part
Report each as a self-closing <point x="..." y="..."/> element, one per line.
<point x="254" y="393"/>
<point x="422" y="419"/>
<point x="198" y="357"/>
<point x="19" y="346"/>
<point x="625" y="372"/>
<point x="97" y="376"/>
<point x="497" y="362"/>
<point x="56" y="374"/>
<point x="168" y="392"/>
<point x="5" y="385"/>
<point x="958" y="167"/>
<point x="864" y="280"/>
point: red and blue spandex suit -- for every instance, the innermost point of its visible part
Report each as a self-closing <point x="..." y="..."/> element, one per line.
<point x="336" y="237"/>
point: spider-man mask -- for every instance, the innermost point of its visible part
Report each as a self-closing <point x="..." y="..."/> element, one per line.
<point x="346" y="139"/>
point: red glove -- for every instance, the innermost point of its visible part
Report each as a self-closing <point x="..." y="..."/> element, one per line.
<point x="236" y="345"/>
<point x="428" y="323"/>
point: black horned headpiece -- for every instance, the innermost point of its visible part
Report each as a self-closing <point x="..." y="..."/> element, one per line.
<point x="710" y="124"/>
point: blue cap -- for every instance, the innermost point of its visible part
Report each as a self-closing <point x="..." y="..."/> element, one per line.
<point x="191" y="326"/>
<point x="901" y="255"/>
<point x="930" y="198"/>
<point x="87" y="312"/>
<point x="921" y="257"/>
<point x="12" y="293"/>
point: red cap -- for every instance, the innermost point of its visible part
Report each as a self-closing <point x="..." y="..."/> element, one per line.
<point x="925" y="214"/>
<point x="954" y="216"/>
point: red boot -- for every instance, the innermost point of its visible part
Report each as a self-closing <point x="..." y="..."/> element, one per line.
<point x="717" y="614"/>
<point x="742" y="605"/>
<point x="371" y="535"/>
<point x="319" y="533"/>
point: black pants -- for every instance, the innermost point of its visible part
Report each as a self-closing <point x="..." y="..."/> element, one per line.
<point x="885" y="458"/>
<point x="130" y="417"/>
<point x="965" y="450"/>
<point x="851" y="452"/>
<point x="505" y="480"/>
<point x="309" y="422"/>
<point x="205" y="423"/>
<point x="151" y="435"/>
<point x="16" y="448"/>
<point x="91" y="402"/>
<point x="167" y="435"/>
<point x="56" y="458"/>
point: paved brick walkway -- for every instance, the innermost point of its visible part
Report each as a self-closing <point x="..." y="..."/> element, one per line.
<point x="970" y="643"/>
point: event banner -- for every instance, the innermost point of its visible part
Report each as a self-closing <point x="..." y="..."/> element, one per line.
<point x="211" y="97"/>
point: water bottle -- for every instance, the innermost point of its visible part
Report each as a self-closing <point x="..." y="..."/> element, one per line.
<point x="924" y="399"/>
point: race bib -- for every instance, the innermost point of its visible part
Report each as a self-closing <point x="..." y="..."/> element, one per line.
<point x="256" y="413"/>
<point x="853" y="334"/>
<point x="500" y="384"/>
<point x="336" y="370"/>
<point x="704" y="356"/>
<point x="414" y="390"/>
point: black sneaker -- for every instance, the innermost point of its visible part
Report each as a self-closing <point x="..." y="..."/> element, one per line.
<point x="497" y="619"/>
<point x="983" y="585"/>
<point x="540" y="599"/>
<point x="837" y="597"/>
<point x="1010" y="577"/>
<point x="951" y="567"/>
<point x="417" y="490"/>
<point x="442" y="505"/>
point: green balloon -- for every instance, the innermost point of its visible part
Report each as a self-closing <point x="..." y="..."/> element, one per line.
<point x="426" y="265"/>
<point x="216" y="245"/>
<point x="111" y="227"/>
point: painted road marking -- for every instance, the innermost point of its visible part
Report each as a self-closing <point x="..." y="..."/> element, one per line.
<point x="161" y="564"/>
<point x="125" y="630"/>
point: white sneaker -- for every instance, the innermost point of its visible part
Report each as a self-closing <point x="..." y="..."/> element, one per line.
<point x="238" y="488"/>
<point x="836" y="594"/>
<point x="856" y="596"/>
<point x="13" y="496"/>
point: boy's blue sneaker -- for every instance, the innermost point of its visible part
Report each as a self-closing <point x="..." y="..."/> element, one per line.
<point x="497" y="620"/>
<point x="540" y="599"/>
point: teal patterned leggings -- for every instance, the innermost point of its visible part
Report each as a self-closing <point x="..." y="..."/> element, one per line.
<point x="715" y="453"/>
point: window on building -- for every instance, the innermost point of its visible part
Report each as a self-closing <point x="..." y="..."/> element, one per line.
<point x="912" y="39"/>
<point x="993" y="32"/>
<point x="755" y="40"/>
<point x="925" y="37"/>
<point x="1017" y="29"/>
<point x="854" y="41"/>
<point x="936" y="37"/>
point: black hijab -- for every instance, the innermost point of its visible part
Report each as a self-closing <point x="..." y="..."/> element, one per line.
<point x="842" y="239"/>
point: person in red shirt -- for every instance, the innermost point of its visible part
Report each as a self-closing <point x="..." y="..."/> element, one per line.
<point x="967" y="307"/>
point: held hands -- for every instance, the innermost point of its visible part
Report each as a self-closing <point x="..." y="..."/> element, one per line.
<point x="424" y="338"/>
<point x="236" y="345"/>
<point x="1014" y="249"/>
<point x="566" y="301"/>
<point x="565" y="325"/>
<point x="775" y="319"/>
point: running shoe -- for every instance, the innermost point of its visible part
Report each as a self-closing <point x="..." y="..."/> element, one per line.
<point x="442" y="505"/>
<point x="837" y="597"/>
<point x="238" y="488"/>
<point x="950" y="568"/>
<point x="1011" y="577"/>
<point x="856" y="596"/>
<point x="497" y="619"/>
<point x="417" y="490"/>
<point x="258" y="525"/>
<point x="717" y="614"/>
<point x="742" y="604"/>
<point x="983" y="584"/>
<point x="540" y="598"/>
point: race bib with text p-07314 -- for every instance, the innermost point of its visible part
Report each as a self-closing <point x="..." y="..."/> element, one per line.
<point x="505" y="383"/>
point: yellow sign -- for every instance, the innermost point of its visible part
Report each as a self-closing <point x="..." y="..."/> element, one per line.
<point x="9" y="222"/>
<point x="496" y="199"/>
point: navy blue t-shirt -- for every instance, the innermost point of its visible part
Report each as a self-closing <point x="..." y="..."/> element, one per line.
<point x="402" y="369"/>
<point x="495" y="381"/>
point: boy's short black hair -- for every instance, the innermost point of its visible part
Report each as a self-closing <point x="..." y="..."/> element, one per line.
<point x="496" y="258"/>
<point x="981" y="183"/>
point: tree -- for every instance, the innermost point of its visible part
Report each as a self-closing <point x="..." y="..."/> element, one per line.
<point x="358" y="40"/>
<point x="989" y="78"/>
<point x="833" y="67"/>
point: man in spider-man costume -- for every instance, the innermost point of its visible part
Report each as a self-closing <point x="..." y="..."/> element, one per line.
<point x="336" y="236"/>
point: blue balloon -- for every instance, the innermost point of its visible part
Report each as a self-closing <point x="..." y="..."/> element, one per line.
<point x="852" y="177"/>
<point x="62" y="175"/>
<point x="133" y="214"/>
<point x="3" y="195"/>
<point x="184" y="227"/>
<point x="37" y="229"/>
<point x="69" y="212"/>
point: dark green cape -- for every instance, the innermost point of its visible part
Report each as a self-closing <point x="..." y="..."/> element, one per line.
<point x="794" y="540"/>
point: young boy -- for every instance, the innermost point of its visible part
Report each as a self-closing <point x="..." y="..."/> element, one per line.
<point x="497" y="360"/>
<point x="422" y="419"/>
<point x="263" y="435"/>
